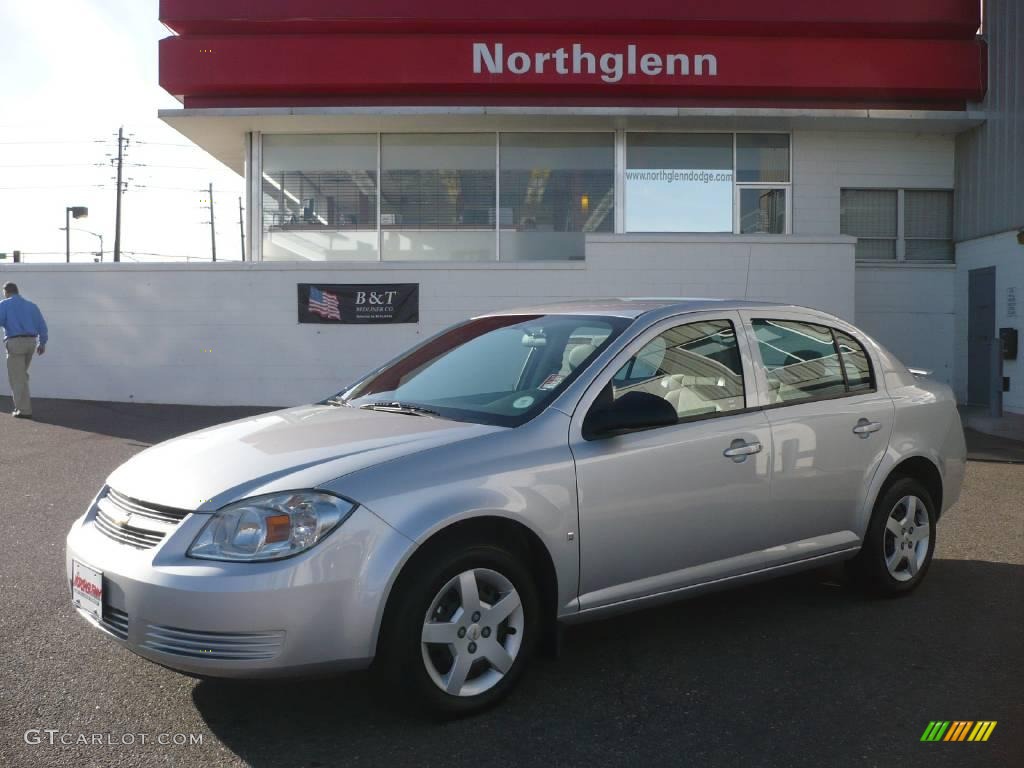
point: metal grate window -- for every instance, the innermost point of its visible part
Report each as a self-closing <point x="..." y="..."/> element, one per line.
<point x="928" y="225"/>
<point x="899" y="225"/>
<point x="870" y="215"/>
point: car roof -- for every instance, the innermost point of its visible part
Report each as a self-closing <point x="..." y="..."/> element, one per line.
<point x="634" y="307"/>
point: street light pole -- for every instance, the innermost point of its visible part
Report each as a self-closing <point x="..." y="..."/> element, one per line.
<point x="79" y="212"/>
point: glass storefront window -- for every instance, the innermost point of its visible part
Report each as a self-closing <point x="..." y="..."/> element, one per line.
<point x="438" y="197"/>
<point x="526" y="196"/>
<point x="679" y="182"/>
<point x="762" y="211"/>
<point x="320" y="197"/>
<point x="762" y="158"/>
<point x="555" y="188"/>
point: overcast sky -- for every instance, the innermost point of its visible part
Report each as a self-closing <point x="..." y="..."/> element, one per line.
<point x="71" y="72"/>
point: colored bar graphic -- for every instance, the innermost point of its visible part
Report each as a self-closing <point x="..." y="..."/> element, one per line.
<point x="935" y="730"/>
<point x="958" y="730"/>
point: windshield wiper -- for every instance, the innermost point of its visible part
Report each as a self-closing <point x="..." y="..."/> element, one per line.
<point x="336" y="400"/>
<point x="396" y="407"/>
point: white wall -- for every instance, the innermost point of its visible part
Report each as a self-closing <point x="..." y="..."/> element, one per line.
<point x="826" y="161"/>
<point x="911" y="310"/>
<point x="1005" y="254"/>
<point x="908" y="308"/>
<point x="228" y="333"/>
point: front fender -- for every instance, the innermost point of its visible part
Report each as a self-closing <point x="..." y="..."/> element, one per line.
<point x="526" y="475"/>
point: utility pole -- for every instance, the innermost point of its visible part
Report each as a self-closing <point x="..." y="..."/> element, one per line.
<point x="241" y="226"/>
<point x="117" y="216"/>
<point x="213" y="231"/>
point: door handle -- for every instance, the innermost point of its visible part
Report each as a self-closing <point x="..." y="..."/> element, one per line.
<point x="864" y="428"/>
<point x="740" y="449"/>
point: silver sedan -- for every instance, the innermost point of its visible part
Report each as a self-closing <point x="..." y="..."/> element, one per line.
<point x="443" y="517"/>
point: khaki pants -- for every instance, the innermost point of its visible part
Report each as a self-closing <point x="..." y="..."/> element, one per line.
<point x="19" y="357"/>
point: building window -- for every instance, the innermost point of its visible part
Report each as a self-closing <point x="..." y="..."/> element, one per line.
<point x="437" y="196"/>
<point x="928" y="225"/>
<point x="762" y="211"/>
<point x="554" y="189"/>
<point x="762" y="158"/>
<point x="899" y="225"/>
<point x="679" y="182"/>
<point x="319" y="197"/>
<point x="524" y="196"/>
<point x="707" y="182"/>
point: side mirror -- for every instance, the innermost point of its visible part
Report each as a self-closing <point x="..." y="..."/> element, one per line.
<point x="632" y="412"/>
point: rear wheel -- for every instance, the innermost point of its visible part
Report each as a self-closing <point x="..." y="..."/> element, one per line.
<point x="460" y="629"/>
<point x="900" y="540"/>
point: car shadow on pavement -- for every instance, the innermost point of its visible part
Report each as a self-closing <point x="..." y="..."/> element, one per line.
<point x="799" y="671"/>
<point x="144" y="423"/>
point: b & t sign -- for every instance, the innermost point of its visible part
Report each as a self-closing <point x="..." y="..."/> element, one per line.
<point x="358" y="304"/>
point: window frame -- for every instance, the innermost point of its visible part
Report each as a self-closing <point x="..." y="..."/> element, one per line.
<point x="762" y="380"/>
<point x="901" y="237"/>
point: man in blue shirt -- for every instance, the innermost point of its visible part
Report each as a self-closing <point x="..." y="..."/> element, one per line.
<point x="24" y="334"/>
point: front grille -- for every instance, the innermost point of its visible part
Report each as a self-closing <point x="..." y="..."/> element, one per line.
<point x="245" y="646"/>
<point x="151" y="511"/>
<point x="115" y="621"/>
<point x="135" y="523"/>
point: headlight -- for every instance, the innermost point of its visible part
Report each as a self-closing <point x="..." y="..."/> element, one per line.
<point x="270" y="527"/>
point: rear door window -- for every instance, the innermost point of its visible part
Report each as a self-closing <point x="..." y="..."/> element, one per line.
<point x="800" y="361"/>
<point x="856" y="362"/>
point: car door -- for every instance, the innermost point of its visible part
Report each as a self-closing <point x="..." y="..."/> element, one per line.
<point x="830" y="421"/>
<point x="677" y="505"/>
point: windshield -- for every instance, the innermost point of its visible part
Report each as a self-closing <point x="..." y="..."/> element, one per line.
<point x="492" y="370"/>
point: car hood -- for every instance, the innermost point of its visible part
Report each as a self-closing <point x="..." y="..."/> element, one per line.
<point x="285" y="450"/>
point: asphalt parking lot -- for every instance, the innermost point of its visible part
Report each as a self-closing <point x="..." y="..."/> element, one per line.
<point x="798" y="672"/>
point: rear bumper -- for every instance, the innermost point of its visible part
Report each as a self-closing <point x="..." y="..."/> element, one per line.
<point x="317" y="611"/>
<point x="954" y="463"/>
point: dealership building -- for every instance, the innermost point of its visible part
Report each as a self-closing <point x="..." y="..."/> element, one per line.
<point x="863" y="158"/>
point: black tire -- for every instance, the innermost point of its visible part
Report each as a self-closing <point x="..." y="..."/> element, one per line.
<point x="868" y="569"/>
<point x="400" y="658"/>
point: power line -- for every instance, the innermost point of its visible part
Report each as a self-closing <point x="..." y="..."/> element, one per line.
<point x="52" y="165"/>
<point x="167" y="144"/>
<point x="32" y="143"/>
<point x="59" y="186"/>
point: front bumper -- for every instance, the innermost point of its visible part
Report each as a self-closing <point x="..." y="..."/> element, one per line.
<point x="318" y="610"/>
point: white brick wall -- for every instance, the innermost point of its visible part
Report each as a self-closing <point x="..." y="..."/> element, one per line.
<point x="228" y="333"/>
<point x="1005" y="254"/>
<point x="910" y="310"/>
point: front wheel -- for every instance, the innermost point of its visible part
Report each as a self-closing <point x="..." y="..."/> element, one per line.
<point x="461" y="629"/>
<point x="900" y="540"/>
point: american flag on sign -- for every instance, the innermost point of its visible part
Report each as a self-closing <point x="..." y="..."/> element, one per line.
<point x="324" y="304"/>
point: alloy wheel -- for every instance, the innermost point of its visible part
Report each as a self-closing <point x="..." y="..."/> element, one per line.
<point x="472" y="632"/>
<point x="906" y="540"/>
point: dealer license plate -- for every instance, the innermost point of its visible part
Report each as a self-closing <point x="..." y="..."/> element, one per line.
<point x="87" y="589"/>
